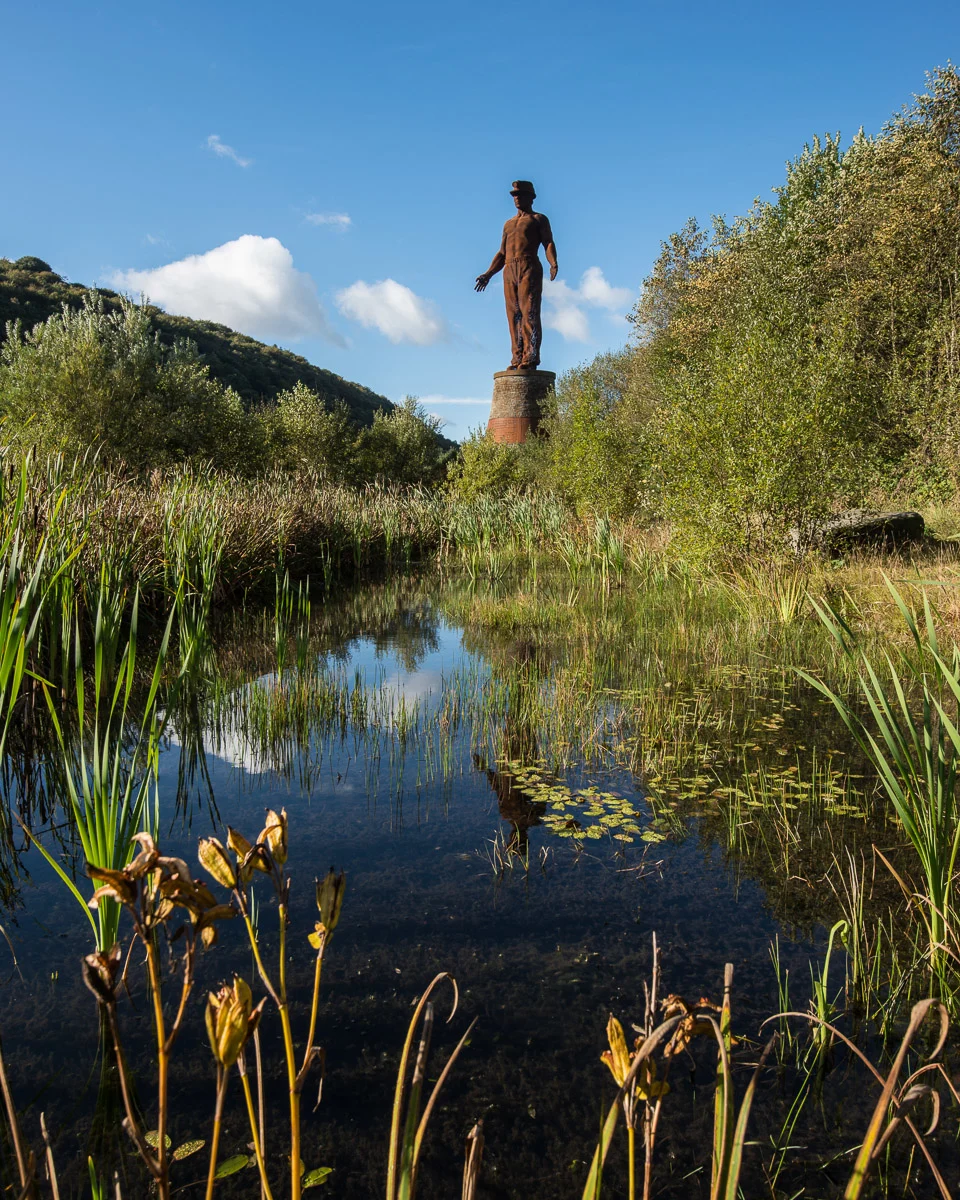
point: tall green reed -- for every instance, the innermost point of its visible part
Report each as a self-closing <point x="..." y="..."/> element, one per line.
<point x="909" y="734"/>
<point x="110" y="782"/>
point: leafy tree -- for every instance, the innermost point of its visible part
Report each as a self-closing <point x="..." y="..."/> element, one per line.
<point x="30" y="292"/>
<point x="304" y="433"/>
<point x="806" y="354"/>
<point x="403" y="446"/>
<point x="597" y="435"/>
<point x="101" y="377"/>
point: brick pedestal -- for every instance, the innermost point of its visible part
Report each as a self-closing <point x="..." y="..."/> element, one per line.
<point x="517" y="396"/>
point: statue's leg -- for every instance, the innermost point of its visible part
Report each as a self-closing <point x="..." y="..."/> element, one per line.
<point x="530" y="290"/>
<point x="514" y="313"/>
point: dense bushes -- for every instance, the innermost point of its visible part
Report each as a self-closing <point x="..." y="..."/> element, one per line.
<point x="793" y="361"/>
<point x="805" y="355"/>
<point x="31" y="292"/>
<point x="90" y="378"/>
<point x="99" y="378"/>
<point x="593" y="450"/>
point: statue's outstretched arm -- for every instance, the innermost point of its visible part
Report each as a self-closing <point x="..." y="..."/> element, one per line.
<point x="497" y="265"/>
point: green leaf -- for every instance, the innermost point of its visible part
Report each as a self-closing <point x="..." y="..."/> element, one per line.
<point x="187" y="1149"/>
<point x="317" y="1176"/>
<point x="153" y="1139"/>
<point x="231" y="1166"/>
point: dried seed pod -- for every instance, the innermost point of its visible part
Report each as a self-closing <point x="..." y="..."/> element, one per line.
<point x="214" y="860"/>
<point x="231" y="1020"/>
<point x="329" y="901"/>
<point x="274" y="835"/>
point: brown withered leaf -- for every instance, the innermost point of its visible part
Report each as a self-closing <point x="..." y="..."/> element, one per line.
<point x="115" y="884"/>
<point x="100" y="973"/>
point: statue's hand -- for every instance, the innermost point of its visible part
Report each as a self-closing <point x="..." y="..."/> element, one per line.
<point x="553" y="273"/>
<point x="482" y="281"/>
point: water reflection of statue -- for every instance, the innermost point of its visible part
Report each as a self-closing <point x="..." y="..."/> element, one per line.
<point x="514" y="804"/>
<point x="518" y="746"/>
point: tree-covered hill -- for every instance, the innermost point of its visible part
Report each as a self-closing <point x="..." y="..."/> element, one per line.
<point x="31" y="291"/>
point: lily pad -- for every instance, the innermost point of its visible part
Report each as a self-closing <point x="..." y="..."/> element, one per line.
<point x="230" y="1166"/>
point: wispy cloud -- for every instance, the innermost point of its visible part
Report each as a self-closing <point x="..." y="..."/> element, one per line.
<point x="566" y="305"/>
<point x="153" y="239"/>
<point x="249" y="284"/>
<point x="396" y="311"/>
<point x="225" y="151"/>
<point x="339" y="221"/>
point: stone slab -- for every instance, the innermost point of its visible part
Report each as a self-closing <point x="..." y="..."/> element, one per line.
<point x="859" y="527"/>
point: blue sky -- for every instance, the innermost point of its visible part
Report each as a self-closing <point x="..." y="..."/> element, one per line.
<point x="349" y="165"/>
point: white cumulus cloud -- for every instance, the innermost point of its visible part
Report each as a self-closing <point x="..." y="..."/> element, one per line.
<point x="595" y="290"/>
<point x="400" y="314"/>
<point x="340" y="221"/>
<point x="565" y="305"/>
<point x="225" y="151"/>
<point x="249" y="284"/>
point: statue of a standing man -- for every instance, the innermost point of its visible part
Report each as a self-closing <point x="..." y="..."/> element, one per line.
<point x="519" y="258"/>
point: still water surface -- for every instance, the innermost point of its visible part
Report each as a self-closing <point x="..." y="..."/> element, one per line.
<point x="542" y="952"/>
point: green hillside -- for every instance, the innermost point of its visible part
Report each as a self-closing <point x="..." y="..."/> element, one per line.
<point x="30" y="291"/>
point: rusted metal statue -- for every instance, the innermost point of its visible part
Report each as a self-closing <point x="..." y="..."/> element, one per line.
<point x="519" y="259"/>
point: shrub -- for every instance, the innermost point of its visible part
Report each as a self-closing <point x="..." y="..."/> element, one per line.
<point x="98" y="378"/>
<point x="402" y="446"/>
<point x="488" y="468"/>
<point x="89" y="378"/>
<point x="304" y="434"/>
<point x="597" y="430"/>
<point x="766" y="436"/>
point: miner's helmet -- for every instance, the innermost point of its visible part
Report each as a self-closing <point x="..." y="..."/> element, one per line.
<point x="522" y="187"/>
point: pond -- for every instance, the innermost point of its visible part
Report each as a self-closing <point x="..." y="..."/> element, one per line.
<point x="523" y="783"/>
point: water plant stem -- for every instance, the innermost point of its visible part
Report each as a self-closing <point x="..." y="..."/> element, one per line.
<point x="632" y="1161"/>
<point x="290" y="1055"/>
<point x="15" y="1133"/>
<point x="257" y="1148"/>
<point x="215" y="1136"/>
<point x="163" y="1068"/>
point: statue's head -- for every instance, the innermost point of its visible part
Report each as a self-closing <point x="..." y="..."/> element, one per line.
<point x="523" y="194"/>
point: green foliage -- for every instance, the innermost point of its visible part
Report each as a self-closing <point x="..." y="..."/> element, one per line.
<point x="30" y="292"/>
<point x="102" y="379"/>
<point x="597" y="435"/>
<point x="403" y="446"/>
<point x="805" y="353"/>
<point x="592" y="450"/>
<point x="488" y="468"/>
<point x="305" y="435"/>
<point x="761" y="438"/>
<point x="92" y="378"/>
